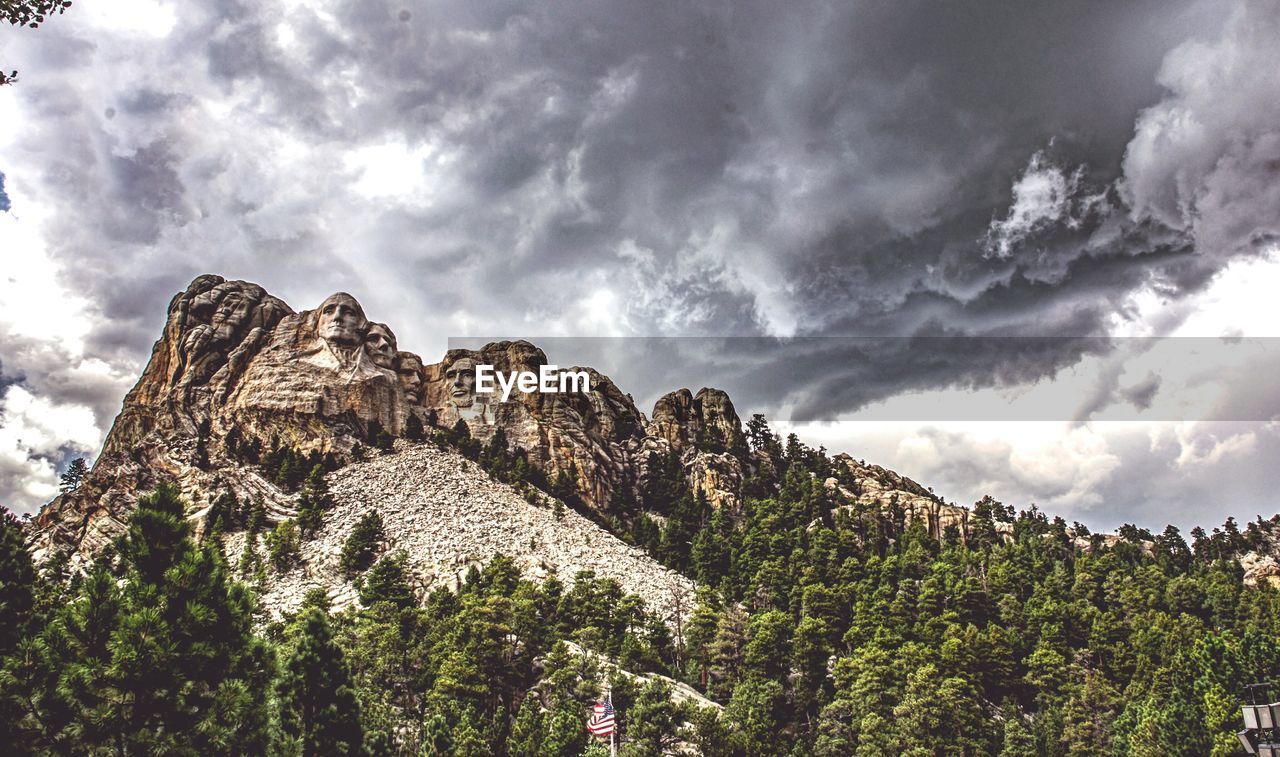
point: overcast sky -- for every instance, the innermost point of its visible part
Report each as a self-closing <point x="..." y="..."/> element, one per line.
<point x="736" y="168"/>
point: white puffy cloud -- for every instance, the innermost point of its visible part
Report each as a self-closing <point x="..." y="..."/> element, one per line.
<point x="1045" y="196"/>
<point x="35" y="434"/>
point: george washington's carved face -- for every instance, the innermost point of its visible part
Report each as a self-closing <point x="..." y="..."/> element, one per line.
<point x="381" y="345"/>
<point x="462" y="382"/>
<point x="342" y="320"/>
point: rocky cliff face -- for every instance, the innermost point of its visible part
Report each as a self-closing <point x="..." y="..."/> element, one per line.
<point x="875" y="486"/>
<point x="236" y="368"/>
<point x="592" y="436"/>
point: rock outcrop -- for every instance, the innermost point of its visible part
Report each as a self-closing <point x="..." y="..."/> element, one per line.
<point x="234" y="366"/>
<point x="878" y="487"/>
<point x="705" y="431"/>
<point x="591" y="436"/>
<point x="237" y="369"/>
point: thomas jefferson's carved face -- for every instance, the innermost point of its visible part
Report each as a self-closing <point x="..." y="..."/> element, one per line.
<point x="342" y="320"/>
<point x="381" y="345"/>
<point x="462" y="382"/>
<point x="409" y="371"/>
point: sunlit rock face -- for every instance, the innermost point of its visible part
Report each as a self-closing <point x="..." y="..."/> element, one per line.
<point x="321" y="381"/>
<point x="233" y="362"/>
<point x="237" y="367"/>
<point x="892" y="493"/>
<point x="704" y="430"/>
<point x="591" y="436"/>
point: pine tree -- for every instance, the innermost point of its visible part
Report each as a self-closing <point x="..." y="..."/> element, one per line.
<point x="313" y="502"/>
<point x="284" y="547"/>
<point x="222" y="514"/>
<point x="319" y="712"/>
<point x="755" y="714"/>
<point x="17" y="582"/>
<point x="74" y="475"/>
<point x="1017" y="740"/>
<point x="166" y="662"/>
<point x="437" y="738"/>
<point x="387" y="581"/>
<point x="413" y="430"/>
<point x="361" y="546"/>
<point x="526" y="731"/>
<point x="17" y="602"/>
<point x="651" y="721"/>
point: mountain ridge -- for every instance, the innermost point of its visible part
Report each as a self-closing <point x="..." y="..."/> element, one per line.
<point x="236" y="371"/>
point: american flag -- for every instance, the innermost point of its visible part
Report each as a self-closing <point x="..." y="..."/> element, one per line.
<point x="601" y="723"/>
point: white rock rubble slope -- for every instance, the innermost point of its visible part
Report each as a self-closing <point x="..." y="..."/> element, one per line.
<point x="448" y="514"/>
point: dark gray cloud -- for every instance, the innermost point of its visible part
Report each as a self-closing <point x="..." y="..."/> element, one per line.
<point x="708" y="168"/>
<point x="796" y="168"/>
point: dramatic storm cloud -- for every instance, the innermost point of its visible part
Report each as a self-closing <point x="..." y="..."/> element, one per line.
<point x="806" y="169"/>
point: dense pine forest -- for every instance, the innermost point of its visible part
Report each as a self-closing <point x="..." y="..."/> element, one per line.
<point x="820" y="627"/>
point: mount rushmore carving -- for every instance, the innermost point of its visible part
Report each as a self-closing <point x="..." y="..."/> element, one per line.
<point x="236" y="366"/>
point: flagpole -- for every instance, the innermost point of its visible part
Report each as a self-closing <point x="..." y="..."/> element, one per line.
<point x="613" y="733"/>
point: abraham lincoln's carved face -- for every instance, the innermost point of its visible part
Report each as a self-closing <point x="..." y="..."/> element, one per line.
<point x="381" y="345"/>
<point x="462" y="382"/>
<point x="342" y="320"/>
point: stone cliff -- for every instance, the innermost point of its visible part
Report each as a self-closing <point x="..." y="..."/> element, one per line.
<point x="237" y="372"/>
<point x="237" y="376"/>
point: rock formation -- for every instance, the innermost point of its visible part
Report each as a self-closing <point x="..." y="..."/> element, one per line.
<point x="233" y="367"/>
<point x="237" y="369"/>
<point x="237" y="372"/>
<point x="875" y="486"/>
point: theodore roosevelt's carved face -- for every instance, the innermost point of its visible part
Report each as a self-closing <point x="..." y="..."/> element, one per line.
<point x="462" y="382"/>
<point x="342" y="320"/>
<point x="409" y="371"/>
<point x="381" y="345"/>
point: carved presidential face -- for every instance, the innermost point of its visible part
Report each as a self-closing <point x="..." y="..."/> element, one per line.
<point x="462" y="382"/>
<point x="381" y="345"/>
<point x="234" y="309"/>
<point x="342" y="320"/>
<point x="409" y="371"/>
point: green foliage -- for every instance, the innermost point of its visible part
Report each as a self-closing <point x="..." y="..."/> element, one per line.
<point x="319" y="713"/>
<point x="17" y="583"/>
<point x="161" y="662"/>
<point x="824" y="626"/>
<point x="387" y="581"/>
<point x="313" y="502"/>
<point x="224" y="515"/>
<point x="284" y="546"/>
<point x="362" y="544"/>
<point x="73" y="476"/>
